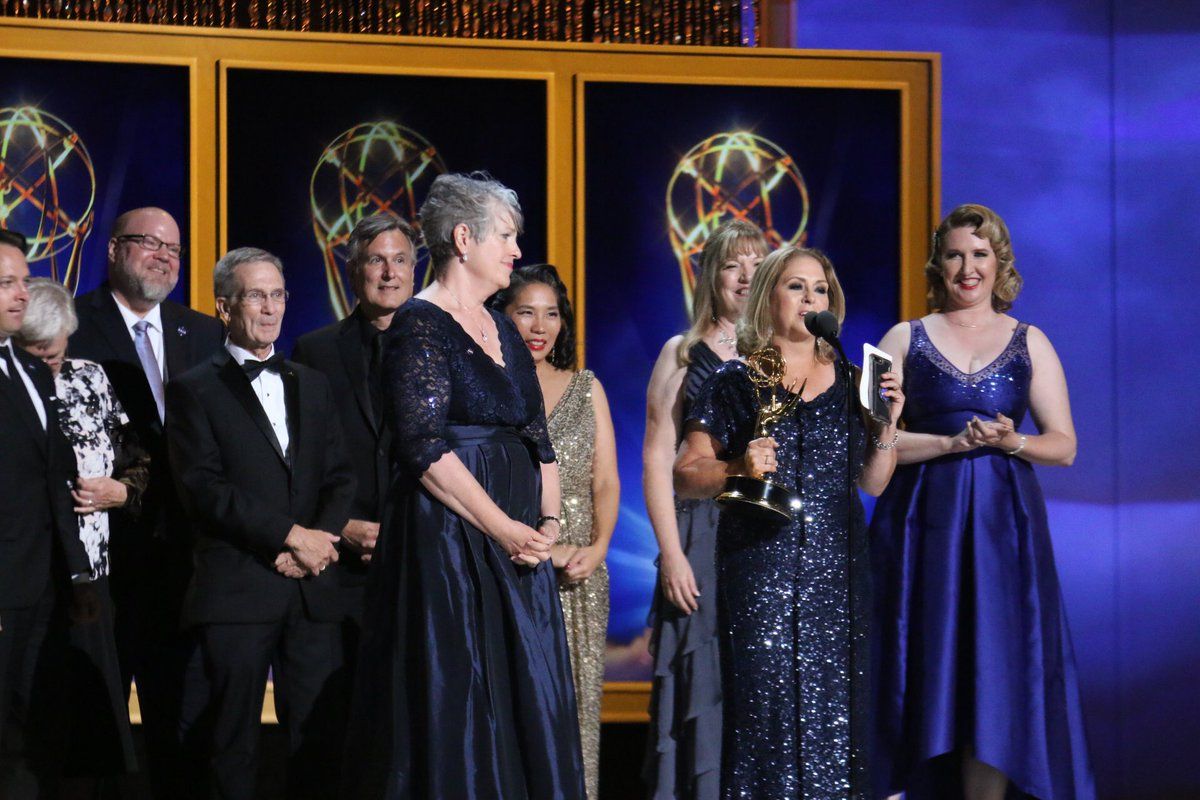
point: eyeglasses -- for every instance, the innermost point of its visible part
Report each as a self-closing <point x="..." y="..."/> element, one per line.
<point x="256" y="297"/>
<point x="152" y="243"/>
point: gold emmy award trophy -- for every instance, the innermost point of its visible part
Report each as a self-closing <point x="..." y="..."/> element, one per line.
<point x="767" y="369"/>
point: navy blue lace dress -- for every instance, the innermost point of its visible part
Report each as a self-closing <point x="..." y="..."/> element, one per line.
<point x="464" y="682"/>
<point x="793" y="603"/>
<point x="974" y="651"/>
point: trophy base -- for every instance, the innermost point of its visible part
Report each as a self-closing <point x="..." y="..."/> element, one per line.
<point x="745" y="492"/>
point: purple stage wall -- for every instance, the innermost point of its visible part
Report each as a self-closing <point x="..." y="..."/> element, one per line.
<point x="1080" y="123"/>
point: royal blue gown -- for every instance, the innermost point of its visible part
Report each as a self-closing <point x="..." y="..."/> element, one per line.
<point x="973" y="648"/>
<point x="464" y="687"/>
<point x="793" y="603"/>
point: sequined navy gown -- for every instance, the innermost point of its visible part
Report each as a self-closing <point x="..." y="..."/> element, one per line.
<point x="464" y="682"/>
<point x="973" y="650"/>
<point x="793" y="604"/>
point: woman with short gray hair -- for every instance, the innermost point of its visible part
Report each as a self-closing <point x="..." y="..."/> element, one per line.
<point x="464" y="681"/>
<point x="112" y="474"/>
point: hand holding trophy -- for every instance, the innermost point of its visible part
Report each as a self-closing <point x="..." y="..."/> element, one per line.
<point x="766" y="371"/>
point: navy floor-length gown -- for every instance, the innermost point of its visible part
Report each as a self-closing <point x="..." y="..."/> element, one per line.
<point x="683" y="748"/>
<point x="464" y="683"/>
<point x="793" y="603"/>
<point x="973" y="651"/>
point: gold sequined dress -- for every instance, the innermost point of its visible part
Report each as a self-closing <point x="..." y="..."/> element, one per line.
<point x="572" y="426"/>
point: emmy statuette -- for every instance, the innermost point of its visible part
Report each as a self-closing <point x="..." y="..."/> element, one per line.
<point x="767" y="369"/>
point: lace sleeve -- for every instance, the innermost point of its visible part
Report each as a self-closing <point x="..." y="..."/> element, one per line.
<point x="539" y="434"/>
<point x="416" y="377"/>
<point x="725" y="408"/>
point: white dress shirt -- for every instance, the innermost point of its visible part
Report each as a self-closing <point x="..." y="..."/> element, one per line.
<point x="268" y="387"/>
<point x="155" y="331"/>
<point x="25" y="379"/>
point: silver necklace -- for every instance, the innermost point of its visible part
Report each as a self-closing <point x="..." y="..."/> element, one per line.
<point x="463" y="306"/>
<point x="960" y="324"/>
<point x="723" y="338"/>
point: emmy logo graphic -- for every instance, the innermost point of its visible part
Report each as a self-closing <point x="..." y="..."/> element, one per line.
<point x="47" y="189"/>
<point x="733" y="174"/>
<point x="372" y="168"/>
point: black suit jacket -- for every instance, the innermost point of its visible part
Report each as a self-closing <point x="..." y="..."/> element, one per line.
<point x="337" y="351"/>
<point x="189" y="338"/>
<point x="243" y="493"/>
<point x="38" y="527"/>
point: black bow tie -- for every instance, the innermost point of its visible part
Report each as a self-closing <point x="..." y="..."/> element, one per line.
<point x="254" y="368"/>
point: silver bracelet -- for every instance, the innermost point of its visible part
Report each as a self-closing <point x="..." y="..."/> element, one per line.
<point x="1021" y="446"/>
<point x="881" y="446"/>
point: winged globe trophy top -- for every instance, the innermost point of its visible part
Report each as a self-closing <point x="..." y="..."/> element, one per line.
<point x="767" y="368"/>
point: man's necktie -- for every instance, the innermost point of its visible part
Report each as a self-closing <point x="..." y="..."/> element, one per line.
<point x="254" y="368"/>
<point x="141" y="341"/>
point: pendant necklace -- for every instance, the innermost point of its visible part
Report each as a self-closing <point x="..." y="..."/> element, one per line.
<point x="724" y="338"/>
<point x="463" y="306"/>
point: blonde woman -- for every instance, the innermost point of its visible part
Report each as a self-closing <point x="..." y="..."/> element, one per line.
<point x="792" y="595"/>
<point x="684" y="747"/>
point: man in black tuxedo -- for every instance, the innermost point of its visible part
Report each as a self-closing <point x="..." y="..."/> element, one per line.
<point x="144" y="340"/>
<point x="380" y="261"/>
<point x="40" y="551"/>
<point x="258" y="456"/>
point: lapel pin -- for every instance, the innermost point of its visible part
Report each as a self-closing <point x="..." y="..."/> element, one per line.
<point x="181" y="330"/>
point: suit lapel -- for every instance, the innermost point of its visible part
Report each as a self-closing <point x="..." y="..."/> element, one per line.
<point x="175" y="343"/>
<point x="235" y="380"/>
<point x="291" y="399"/>
<point x="24" y="406"/>
<point x="350" y="348"/>
<point x="112" y="327"/>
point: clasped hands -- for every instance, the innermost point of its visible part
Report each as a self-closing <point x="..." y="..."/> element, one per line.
<point x="577" y="563"/>
<point x="306" y="552"/>
<point x="998" y="433"/>
<point x="526" y="545"/>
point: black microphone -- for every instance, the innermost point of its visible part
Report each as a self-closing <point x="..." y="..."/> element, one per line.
<point x="823" y="325"/>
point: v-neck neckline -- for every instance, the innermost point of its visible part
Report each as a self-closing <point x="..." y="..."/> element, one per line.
<point x="969" y="376"/>
<point x="502" y="366"/>
<point x="562" y="398"/>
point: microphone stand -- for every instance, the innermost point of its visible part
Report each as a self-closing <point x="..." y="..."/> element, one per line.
<point x="847" y="375"/>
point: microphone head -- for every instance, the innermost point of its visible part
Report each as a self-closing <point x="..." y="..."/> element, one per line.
<point x="822" y="324"/>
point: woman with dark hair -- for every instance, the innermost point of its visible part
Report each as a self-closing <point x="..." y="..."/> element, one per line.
<point x="463" y="687"/>
<point x="581" y="431"/>
<point x="792" y="594"/>
<point x="683" y="750"/>
<point x="976" y="677"/>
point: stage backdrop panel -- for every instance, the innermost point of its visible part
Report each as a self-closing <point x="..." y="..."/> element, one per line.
<point x="299" y="175"/>
<point x="81" y="142"/>
<point x="664" y="163"/>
